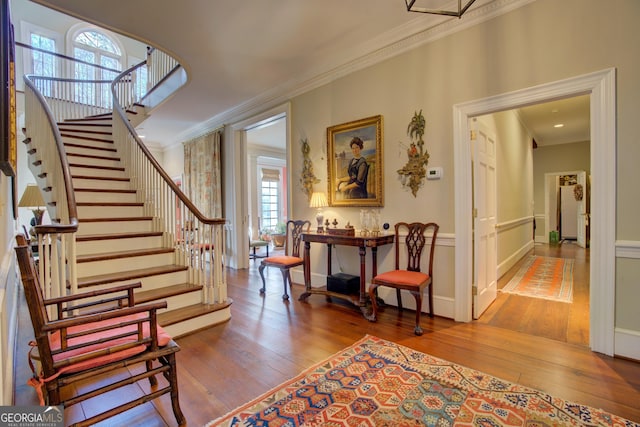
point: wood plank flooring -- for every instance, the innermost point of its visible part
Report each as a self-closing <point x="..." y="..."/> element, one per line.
<point x="268" y="341"/>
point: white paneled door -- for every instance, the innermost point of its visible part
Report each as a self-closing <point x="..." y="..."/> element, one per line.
<point x="483" y="143"/>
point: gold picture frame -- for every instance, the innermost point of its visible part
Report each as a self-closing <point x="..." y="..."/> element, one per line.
<point x="354" y="161"/>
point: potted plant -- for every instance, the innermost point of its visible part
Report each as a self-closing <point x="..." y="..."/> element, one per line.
<point x="279" y="234"/>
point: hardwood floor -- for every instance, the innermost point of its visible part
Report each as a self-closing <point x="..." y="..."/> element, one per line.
<point x="556" y="320"/>
<point x="268" y="341"/>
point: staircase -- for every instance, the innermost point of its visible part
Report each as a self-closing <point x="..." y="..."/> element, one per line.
<point x="117" y="242"/>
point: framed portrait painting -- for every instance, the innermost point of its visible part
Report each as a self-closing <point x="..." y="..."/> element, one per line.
<point x="354" y="157"/>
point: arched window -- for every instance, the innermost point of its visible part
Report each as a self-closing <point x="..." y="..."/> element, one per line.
<point x="94" y="47"/>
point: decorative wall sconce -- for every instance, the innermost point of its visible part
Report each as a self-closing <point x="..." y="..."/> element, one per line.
<point x="308" y="177"/>
<point x="413" y="173"/>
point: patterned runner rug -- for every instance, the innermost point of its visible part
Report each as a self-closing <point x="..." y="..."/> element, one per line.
<point x="380" y="383"/>
<point x="543" y="277"/>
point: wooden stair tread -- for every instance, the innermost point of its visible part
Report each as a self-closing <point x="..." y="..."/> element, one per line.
<point x="182" y="314"/>
<point x="100" y="178"/>
<point x="102" y="279"/>
<point x="86" y="138"/>
<point x="122" y="254"/>
<point x="103" y="190"/>
<point x="92" y="156"/>
<point x="92" y="132"/>
<point x="166" y="292"/>
<point x="128" y="235"/>
<point x="111" y="168"/>
<point x="90" y="147"/>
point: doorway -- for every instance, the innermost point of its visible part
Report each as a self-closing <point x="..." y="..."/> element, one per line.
<point x="246" y="177"/>
<point x="601" y="87"/>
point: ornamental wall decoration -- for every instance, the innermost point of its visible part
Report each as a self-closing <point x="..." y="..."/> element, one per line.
<point x="308" y="177"/>
<point x="413" y="173"/>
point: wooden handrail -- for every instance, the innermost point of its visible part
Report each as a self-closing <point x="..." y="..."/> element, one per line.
<point x="72" y="227"/>
<point x="117" y="108"/>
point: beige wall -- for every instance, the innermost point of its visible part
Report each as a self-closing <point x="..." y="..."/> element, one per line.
<point x="544" y="41"/>
<point x="556" y="158"/>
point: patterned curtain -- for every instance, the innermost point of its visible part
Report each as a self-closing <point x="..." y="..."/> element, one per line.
<point x="202" y="174"/>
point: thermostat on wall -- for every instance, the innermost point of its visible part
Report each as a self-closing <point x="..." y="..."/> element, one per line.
<point x="434" y="173"/>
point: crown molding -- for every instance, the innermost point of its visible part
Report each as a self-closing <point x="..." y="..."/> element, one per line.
<point x="415" y="33"/>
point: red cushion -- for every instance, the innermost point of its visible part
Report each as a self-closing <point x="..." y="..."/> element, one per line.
<point x="54" y="342"/>
<point x="283" y="260"/>
<point x="403" y="277"/>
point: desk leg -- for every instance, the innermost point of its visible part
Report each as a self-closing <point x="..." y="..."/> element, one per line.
<point x="363" y="272"/>
<point x="307" y="272"/>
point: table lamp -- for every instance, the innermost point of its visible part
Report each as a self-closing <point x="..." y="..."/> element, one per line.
<point x="319" y="200"/>
<point x="32" y="198"/>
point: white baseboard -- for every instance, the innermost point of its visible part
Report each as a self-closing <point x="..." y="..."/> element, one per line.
<point x="627" y="343"/>
<point x="506" y="265"/>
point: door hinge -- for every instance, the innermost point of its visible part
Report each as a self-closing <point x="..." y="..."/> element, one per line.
<point x="472" y="135"/>
<point x="475" y="212"/>
<point x="474" y="290"/>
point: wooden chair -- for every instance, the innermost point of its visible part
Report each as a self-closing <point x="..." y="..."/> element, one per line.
<point x="291" y="257"/>
<point x="100" y="341"/>
<point x="411" y="278"/>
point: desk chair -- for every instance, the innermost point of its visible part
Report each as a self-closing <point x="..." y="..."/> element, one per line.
<point x="411" y="278"/>
<point x="286" y="262"/>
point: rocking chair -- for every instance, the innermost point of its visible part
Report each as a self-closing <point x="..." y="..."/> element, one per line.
<point x="99" y="341"/>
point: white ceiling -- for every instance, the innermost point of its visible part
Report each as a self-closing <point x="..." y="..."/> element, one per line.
<point x="240" y="55"/>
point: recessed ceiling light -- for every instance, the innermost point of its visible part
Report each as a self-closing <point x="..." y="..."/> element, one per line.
<point x="559" y="125"/>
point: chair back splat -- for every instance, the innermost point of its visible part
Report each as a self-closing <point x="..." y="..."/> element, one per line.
<point x="96" y="336"/>
<point x="291" y="257"/>
<point x="413" y="237"/>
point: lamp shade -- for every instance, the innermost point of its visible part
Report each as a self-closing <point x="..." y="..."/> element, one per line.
<point x="31" y="198"/>
<point x="318" y="200"/>
<point x="438" y="7"/>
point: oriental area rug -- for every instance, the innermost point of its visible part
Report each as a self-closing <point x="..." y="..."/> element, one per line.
<point x="376" y="382"/>
<point x="543" y="277"/>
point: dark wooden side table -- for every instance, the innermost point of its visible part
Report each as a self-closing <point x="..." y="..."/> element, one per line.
<point x="361" y="242"/>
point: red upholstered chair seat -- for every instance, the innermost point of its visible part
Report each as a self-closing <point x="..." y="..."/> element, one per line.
<point x="101" y="341"/>
<point x="403" y="277"/>
<point x="283" y="260"/>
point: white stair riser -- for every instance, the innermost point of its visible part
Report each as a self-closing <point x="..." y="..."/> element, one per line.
<point x="183" y="300"/>
<point x="109" y="211"/>
<point x="88" y="151"/>
<point x="107" y="173"/>
<point x="98" y="183"/>
<point x="88" y="228"/>
<point x="108" y="266"/>
<point x="97" y="197"/>
<point x="113" y="162"/>
<point x="114" y="245"/>
<point x="183" y="328"/>
<point x="97" y="142"/>
<point x="149" y="282"/>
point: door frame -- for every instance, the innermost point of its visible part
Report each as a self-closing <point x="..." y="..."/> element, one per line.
<point x="601" y="86"/>
<point x="240" y="257"/>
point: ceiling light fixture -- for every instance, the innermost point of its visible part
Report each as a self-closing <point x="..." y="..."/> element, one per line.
<point x="559" y="125"/>
<point x="430" y="6"/>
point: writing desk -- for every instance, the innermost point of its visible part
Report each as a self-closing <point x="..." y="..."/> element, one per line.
<point x="362" y="242"/>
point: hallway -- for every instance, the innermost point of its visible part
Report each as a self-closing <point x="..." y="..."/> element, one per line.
<point x="548" y="319"/>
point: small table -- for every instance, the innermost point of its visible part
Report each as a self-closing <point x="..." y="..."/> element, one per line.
<point x="362" y="242"/>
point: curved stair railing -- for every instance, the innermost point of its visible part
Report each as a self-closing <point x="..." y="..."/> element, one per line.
<point x="199" y="241"/>
<point x="48" y="162"/>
